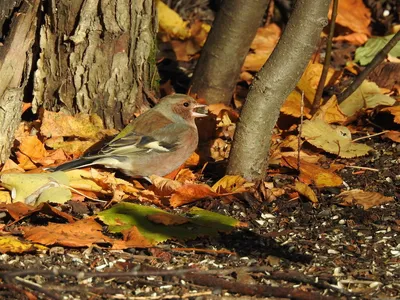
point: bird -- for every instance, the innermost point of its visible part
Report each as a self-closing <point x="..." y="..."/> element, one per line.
<point x="155" y="143"/>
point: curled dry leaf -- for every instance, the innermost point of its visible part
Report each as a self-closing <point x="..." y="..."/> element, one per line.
<point x="231" y="184"/>
<point x="368" y="95"/>
<point x="220" y="149"/>
<point x="306" y="191"/>
<point x="313" y="174"/>
<point x="189" y="193"/>
<point x="82" y="233"/>
<point x="332" y="139"/>
<point x="366" y="199"/>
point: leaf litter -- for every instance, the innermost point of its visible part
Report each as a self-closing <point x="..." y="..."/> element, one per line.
<point x="338" y="202"/>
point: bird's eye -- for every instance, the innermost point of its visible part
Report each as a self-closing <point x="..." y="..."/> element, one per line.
<point x="186" y="104"/>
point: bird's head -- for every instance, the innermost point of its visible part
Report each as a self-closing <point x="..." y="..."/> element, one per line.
<point x="181" y="105"/>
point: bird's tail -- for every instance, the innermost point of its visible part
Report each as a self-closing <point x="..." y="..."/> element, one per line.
<point x="74" y="164"/>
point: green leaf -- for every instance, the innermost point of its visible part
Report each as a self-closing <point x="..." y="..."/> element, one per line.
<point x="123" y="216"/>
<point x="366" y="53"/>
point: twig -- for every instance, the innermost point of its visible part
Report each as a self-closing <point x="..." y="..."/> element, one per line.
<point x="320" y="89"/>
<point x="362" y="168"/>
<point x="369" y="68"/>
<point x="369" y="136"/>
<point x="300" y="130"/>
<point x="36" y="287"/>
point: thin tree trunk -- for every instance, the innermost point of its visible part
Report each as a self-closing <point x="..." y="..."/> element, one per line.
<point x="277" y="78"/>
<point x="95" y="57"/>
<point x="227" y="45"/>
<point x="15" y="66"/>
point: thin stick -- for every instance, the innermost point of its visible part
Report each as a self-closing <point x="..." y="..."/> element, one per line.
<point x="363" y="168"/>
<point x="370" y="67"/>
<point x="300" y="130"/>
<point x="320" y="89"/>
<point x="369" y="136"/>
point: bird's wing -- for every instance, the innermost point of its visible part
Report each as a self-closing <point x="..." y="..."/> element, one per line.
<point x="163" y="139"/>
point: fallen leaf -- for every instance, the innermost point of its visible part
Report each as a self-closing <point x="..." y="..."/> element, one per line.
<point x="83" y="233"/>
<point x="167" y="219"/>
<point x="189" y="193"/>
<point x="332" y="139"/>
<point x="353" y="14"/>
<point x="308" y="82"/>
<point x="366" y="199"/>
<point x="132" y="239"/>
<point x="395" y="111"/>
<point x="11" y="244"/>
<point x="393" y="135"/>
<point x="330" y="112"/>
<point x="367" y="95"/>
<point x="231" y="184"/>
<point x="171" y="22"/>
<point x="306" y="191"/>
<point x="262" y="47"/>
<point x="313" y="174"/>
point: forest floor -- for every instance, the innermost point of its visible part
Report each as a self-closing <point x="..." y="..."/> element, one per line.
<point x="291" y="249"/>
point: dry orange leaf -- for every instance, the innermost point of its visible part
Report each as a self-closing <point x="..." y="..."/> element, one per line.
<point x="355" y="38"/>
<point x="353" y="14"/>
<point x="393" y="135"/>
<point x="231" y="184"/>
<point x="82" y="233"/>
<point x="395" y="111"/>
<point x="32" y="147"/>
<point x="306" y="191"/>
<point x="292" y="106"/>
<point x="262" y="47"/>
<point x="185" y="176"/>
<point x="11" y="167"/>
<point x="366" y="199"/>
<point x="313" y="174"/>
<point x="189" y="193"/>
<point x="132" y="239"/>
<point x="330" y="112"/>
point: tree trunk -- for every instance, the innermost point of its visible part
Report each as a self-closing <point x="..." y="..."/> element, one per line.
<point x="227" y="45"/>
<point x="95" y="57"/>
<point x="15" y="66"/>
<point x="277" y="78"/>
<point x="89" y="56"/>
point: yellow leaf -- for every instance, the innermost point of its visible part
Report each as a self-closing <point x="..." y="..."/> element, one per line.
<point x="170" y="22"/>
<point x="306" y="191"/>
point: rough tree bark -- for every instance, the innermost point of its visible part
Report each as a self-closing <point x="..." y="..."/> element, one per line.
<point x="95" y="56"/>
<point x="277" y="78"/>
<point x="15" y="66"/>
<point x="227" y="45"/>
<point x="90" y="56"/>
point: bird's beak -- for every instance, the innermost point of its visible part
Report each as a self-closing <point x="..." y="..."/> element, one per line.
<point x="196" y="114"/>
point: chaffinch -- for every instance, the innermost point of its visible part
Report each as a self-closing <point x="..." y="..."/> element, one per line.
<point x="155" y="143"/>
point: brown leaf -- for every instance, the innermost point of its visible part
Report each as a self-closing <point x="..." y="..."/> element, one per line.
<point x="132" y="239"/>
<point x="167" y="219"/>
<point x="17" y="210"/>
<point x="189" y="193"/>
<point x="366" y="199"/>
<point x="82" y="233"/>
<point x="393" y="135"/>
<point x="353" y="14"/>
<point x="313" y="174"/>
